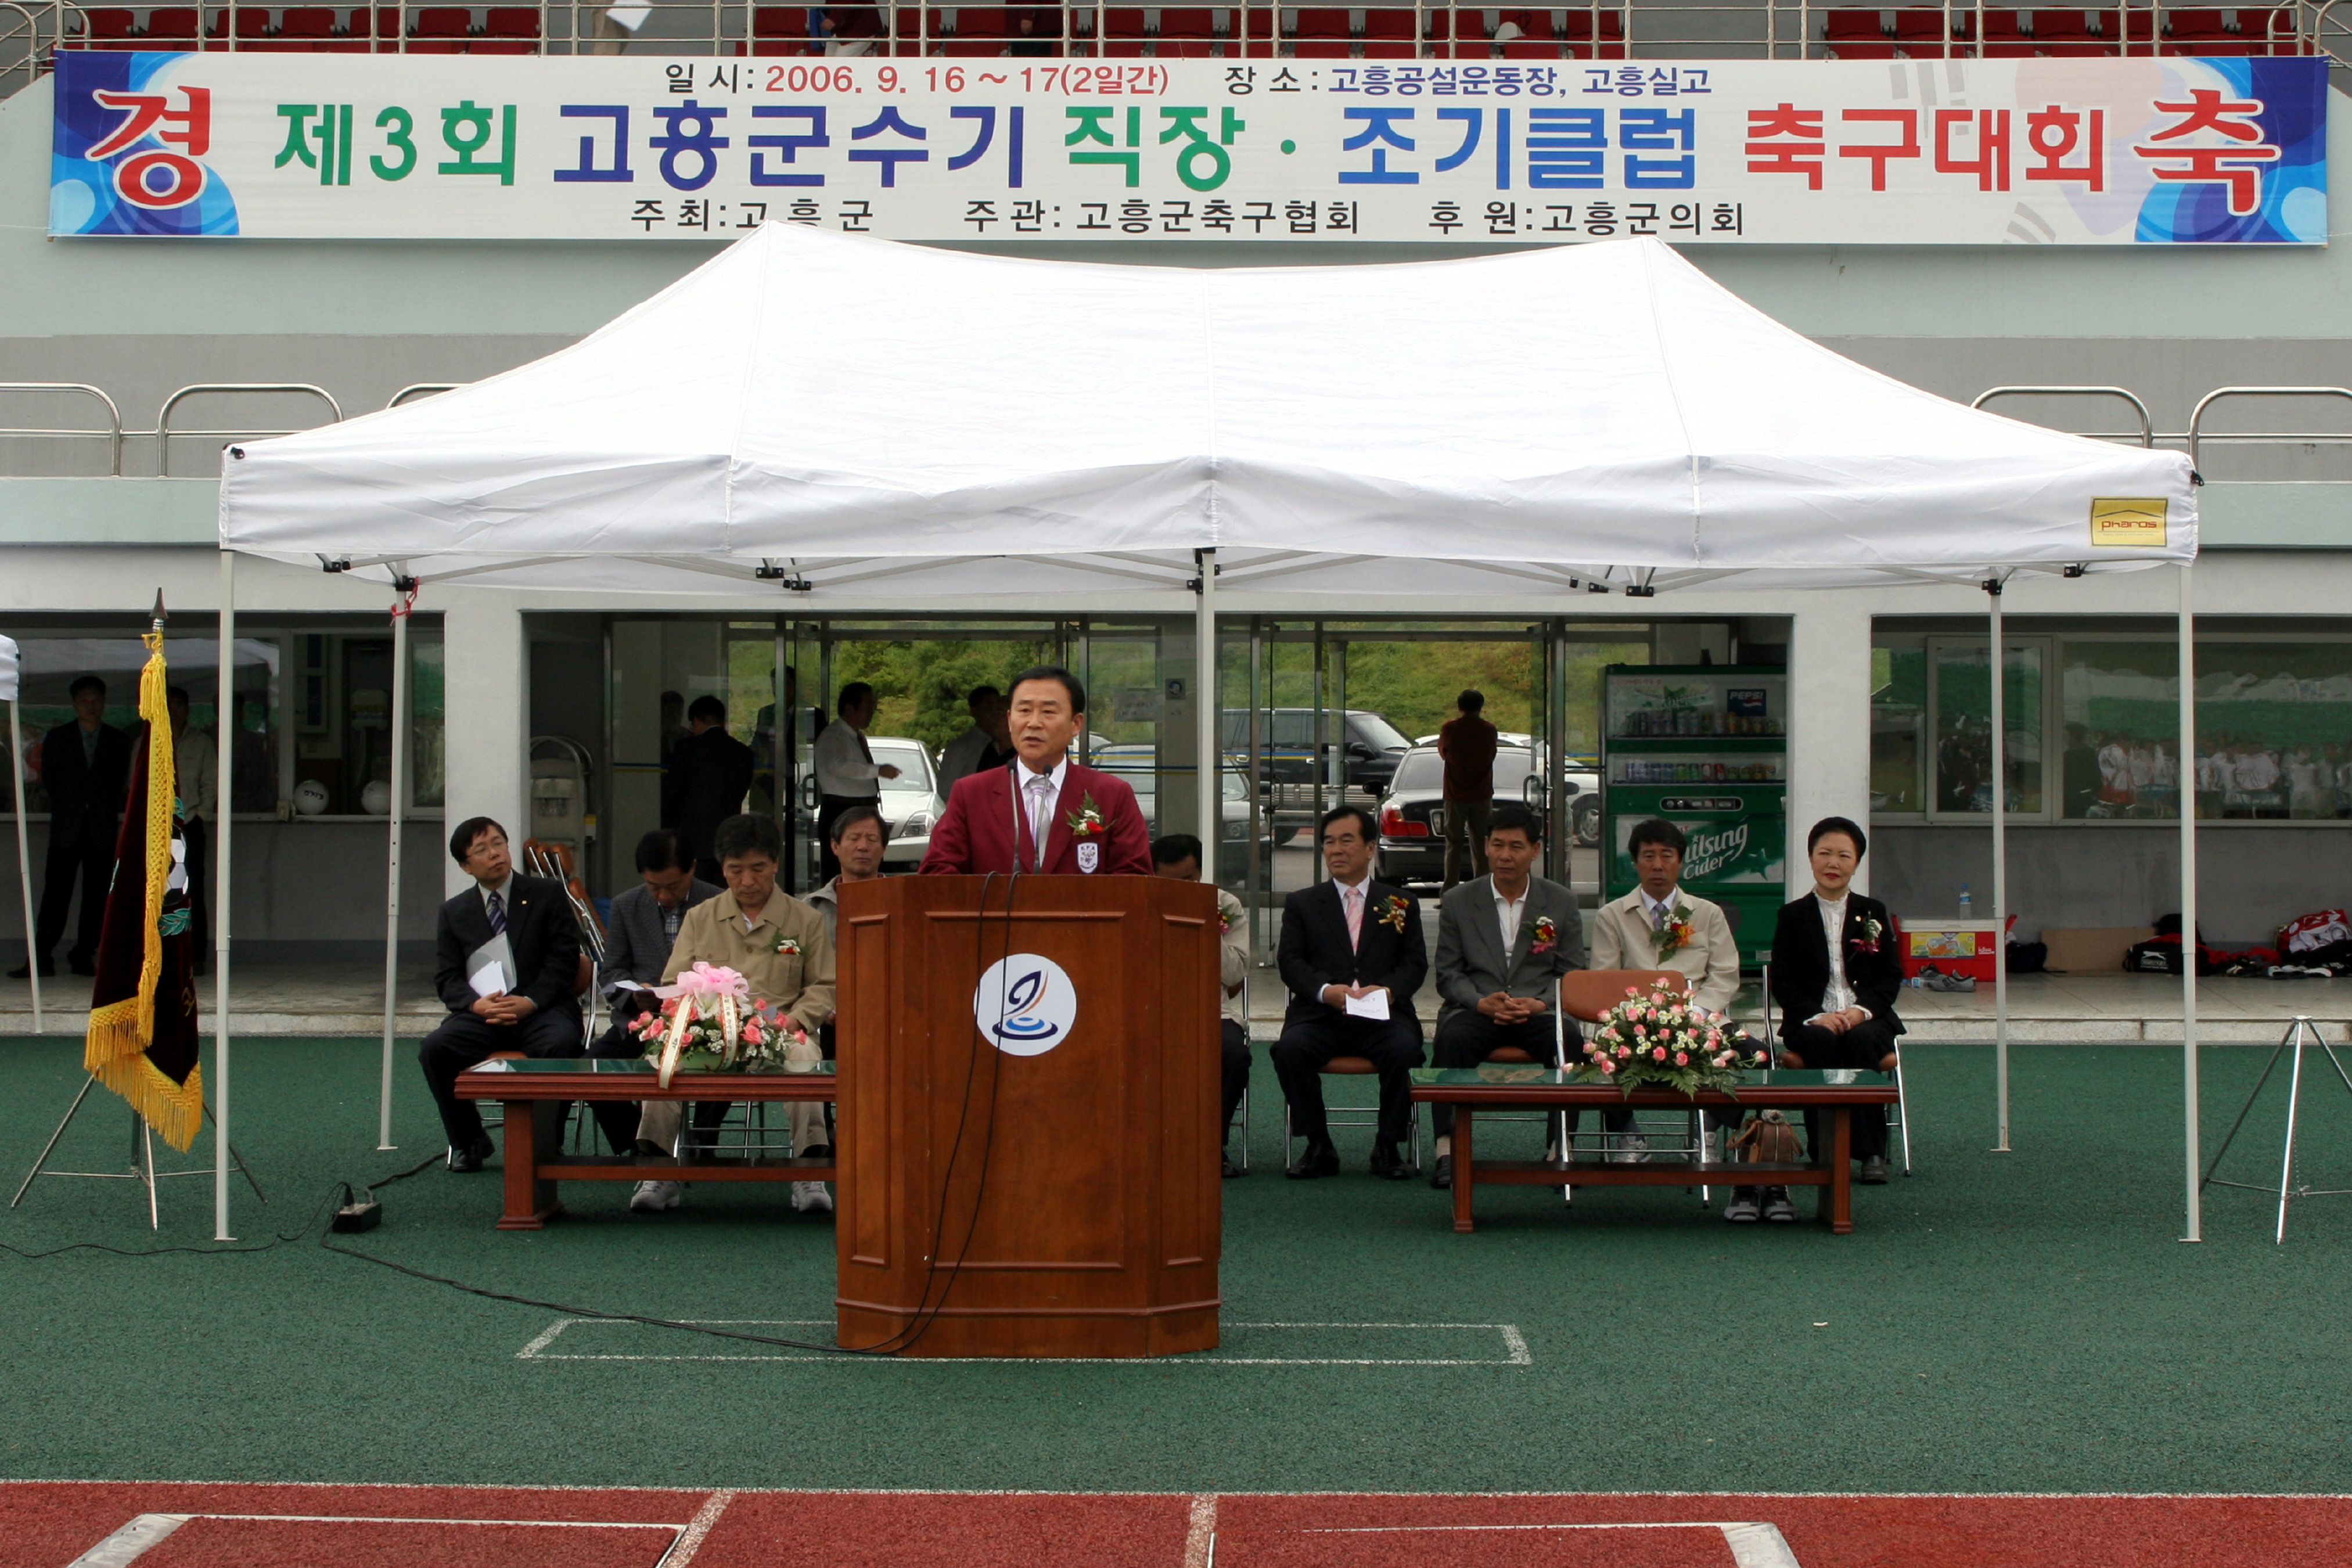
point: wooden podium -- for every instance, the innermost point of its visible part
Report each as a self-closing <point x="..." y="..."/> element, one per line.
<point x="1028" y="1166"/>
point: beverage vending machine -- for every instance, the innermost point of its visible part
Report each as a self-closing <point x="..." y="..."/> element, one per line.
<point x="1706" y="747"/>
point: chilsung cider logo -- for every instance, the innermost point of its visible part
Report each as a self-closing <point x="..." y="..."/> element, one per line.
<point x="1712" y="854"/>
<point x="2128" y="521"/>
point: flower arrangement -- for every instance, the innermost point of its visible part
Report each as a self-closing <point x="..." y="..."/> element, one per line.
<point x="1661" y="1036"/>
<point x="1547" y="935"/>
<point x="1868" y="941"/>
<point x="709" y="1022"/>
<point x="1086" y="821"/>
<point x="1674" y="933"/>
<point x="1394" y="908"/>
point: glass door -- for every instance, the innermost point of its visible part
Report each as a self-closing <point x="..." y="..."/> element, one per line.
<point x="1961" y="740"/>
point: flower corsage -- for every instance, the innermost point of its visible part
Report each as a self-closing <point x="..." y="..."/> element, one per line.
<point x="1392" y="913"/>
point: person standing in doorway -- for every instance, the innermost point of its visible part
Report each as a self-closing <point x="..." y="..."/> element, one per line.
<point x="197" y="762"/>
<point x="1466" y="741"/>
<point x="709" y="773"/>
<point x="976" y="749"/>
<point x="85" y="767"/>
<point x="846" y="773"/>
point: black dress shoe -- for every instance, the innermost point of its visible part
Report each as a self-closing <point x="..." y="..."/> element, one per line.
<point x="1442" y="1175"/>
<point x="82" y="966"/>
<point x="48" y="970"/>
<point x="1386" y="1165"/>
<point x="1874" y="1171"/>
<point x="816" y="1152"/>
<point x="1228" y="1170"/>
<point x="1320" y="1159"/>
<point x="465" y="1161"/>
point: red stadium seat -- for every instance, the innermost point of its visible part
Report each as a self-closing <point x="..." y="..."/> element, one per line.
<point x="1257" y="27"/>
<point x="1124" y="34"/>
<point x="1392" y="34"/>
<point x="1187" y="31"/>
<point x="1853" y="35"/>
<point x="170" y="25"/>
<point x="1472" y="39"/>
<point x="2267" y="32"/>
<point x="2005" y="36"/>
<point x="979" y="31"/>
<point x="1588" y="36"/>
<point x="508" y="30"/>
<point x="107" y="27"/>
<point x="2067" y="33"/>
<point x="1322" y="33"/>
<point x="1919" y="33"/>
<point x="253" y="25"/>
<point x="440" y="30"/>
<point x="782" y="30"/>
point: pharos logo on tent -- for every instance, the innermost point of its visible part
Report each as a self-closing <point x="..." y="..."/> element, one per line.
<point x="1025" y="1004"/>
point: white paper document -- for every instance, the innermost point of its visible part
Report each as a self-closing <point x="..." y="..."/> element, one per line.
<point x="489" y="968"/>
<point x="1372" y="1004"/>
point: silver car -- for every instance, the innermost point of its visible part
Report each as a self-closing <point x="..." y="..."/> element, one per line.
<point x="910" y="802"/>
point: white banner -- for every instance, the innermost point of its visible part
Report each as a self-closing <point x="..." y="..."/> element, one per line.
<point x="2069" y="152"/>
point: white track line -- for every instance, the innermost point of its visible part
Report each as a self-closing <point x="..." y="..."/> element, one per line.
<point x="1753" y="1544"/>
<point x="135" y="1539"/>
<point x="1515" y="1349"/>
<point x="1200" y="1531"/>
<point x="698" y="1530"/>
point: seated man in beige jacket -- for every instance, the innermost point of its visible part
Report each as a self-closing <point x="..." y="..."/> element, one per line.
<point x="781" y="946"/>
<point x="1631" y="933"/>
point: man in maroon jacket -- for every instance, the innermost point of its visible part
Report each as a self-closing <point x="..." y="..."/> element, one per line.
<point x="1086" y="821"/>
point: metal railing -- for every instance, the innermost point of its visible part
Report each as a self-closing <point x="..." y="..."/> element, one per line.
<point x="2146" y="424"/>
<point x="112" y="434"/>
<point x="32" y="30"/>
<point x="2198" y="435"/>
<point x="163" y="431"/>
<point x="115" y="434"/>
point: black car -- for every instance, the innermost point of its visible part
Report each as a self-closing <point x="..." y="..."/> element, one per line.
<point x="1413" y="819"/>
<point x="1290" y="756"/>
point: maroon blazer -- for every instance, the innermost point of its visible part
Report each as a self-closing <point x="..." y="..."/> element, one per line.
<point x="976" y="834"/>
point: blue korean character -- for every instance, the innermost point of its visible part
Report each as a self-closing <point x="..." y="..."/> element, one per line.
<point x="889" y="120"/>
<point x="617" y="172"/>
<point x="1567" y="149"/>
<point x="1657" y="129"/>
<point x="986" y="115"/>
<point x="1472" y="118"/>
<point x="690" y="130"/>
<point x="1379" y="127"/>
<point x="811" y="115"/>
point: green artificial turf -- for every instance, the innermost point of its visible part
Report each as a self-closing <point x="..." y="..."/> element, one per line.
<point x="2028" y="1321"/>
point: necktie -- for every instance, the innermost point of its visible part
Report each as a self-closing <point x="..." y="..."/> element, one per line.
<point x="1657" y="917"/>
<point x="1041" y="807"/>
<point x="498" y="915"/>
<point x="1353" y="898"/>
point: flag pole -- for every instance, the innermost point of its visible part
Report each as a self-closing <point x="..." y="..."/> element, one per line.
<point x="225" y="725"/>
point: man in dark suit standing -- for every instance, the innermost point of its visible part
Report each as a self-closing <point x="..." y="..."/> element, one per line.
<point x="638" y="935"/>
<point x="1503" y="941"/>
<point x="1045" y="814"/>
<point x="529" y="1003"/>
<point x="710" y="773"/>
<point x="1351" y="956"/>
<point x="1836" y="996"/>
<point x="86" y="768"/>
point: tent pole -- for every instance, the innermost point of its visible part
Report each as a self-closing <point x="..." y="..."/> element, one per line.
<point x="2188" y="771"/>
<point x="1999" y="870"/>
<point x="24" y="855"/>
<point x="1207" y="713"/>
<point x="224" y="725"/>
<point x="400" y="610"/>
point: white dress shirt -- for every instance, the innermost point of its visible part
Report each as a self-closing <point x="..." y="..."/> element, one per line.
<point x="1837" y="996"/>
<point x="1037" y="794"/>
<point x="1509" y="914"/>
<point x="843" y="766"/>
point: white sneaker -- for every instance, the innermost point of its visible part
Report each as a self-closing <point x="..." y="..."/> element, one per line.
<point x="1632" y="1149"/>
<point x="651" y="1197"/>
<point x="810" y="1197"/>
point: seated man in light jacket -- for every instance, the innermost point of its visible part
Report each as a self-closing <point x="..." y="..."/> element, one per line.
<point x="1659" y="926"/>
<point x="1503" y="941"/>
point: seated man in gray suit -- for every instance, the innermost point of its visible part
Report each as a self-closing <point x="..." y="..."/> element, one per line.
<point x="1500" y="990"/>
<point x="638" y="940"/>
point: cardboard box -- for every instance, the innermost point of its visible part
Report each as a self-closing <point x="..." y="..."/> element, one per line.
<point x="2091" y="949"/>
<point x="1953" y="946"/>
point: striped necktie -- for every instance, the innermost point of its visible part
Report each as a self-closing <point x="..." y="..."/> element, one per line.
<point x="498" y="915"/>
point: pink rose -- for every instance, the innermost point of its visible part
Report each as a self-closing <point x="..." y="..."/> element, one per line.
<point x="1608" y="1065"/>
<point x="1681" y="1059"/>
<point x="1624" y="1050"/>
<point x="1658" y="1052"/>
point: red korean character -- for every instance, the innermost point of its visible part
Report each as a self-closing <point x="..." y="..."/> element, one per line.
<point x="1799" y="152"/>
<point x="2236" y="163"/>
<point x="191" y="127"/>
<point x="1878" y="153"/>
<point x="1991" y="165"/>
<point x="2054" y="132"/>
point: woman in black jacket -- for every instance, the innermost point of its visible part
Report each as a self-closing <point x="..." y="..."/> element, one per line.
<point x="1837" y="1003"/>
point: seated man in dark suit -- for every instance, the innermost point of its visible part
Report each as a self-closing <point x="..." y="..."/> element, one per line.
<point x="1496" y="990"/>
<point x="1836" y="996"/>
<point x="1348" y="940"/>
<point x="638" y="936"/>
<point x="710" y="773"/>
<point x="524" y="926"/>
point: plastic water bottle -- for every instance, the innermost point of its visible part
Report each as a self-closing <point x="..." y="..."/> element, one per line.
<point x="1964" y="900"/>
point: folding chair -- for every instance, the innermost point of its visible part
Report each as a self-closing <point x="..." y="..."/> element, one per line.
<point x="1357" y="1115"/>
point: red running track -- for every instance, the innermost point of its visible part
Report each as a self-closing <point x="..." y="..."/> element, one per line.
<point x="51" y="1524"/>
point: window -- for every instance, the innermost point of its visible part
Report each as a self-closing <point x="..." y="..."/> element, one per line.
<point x="1963" y="726"/>
<point x="343" y="722"/>
<point x="2274" y="730"/>
<point x="1898" y="726"/>
<point x="48" y="666"/>
<point x="2119" y="717"/>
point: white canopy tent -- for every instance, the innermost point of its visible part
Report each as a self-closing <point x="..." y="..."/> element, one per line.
<point x="827" y="412"/>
